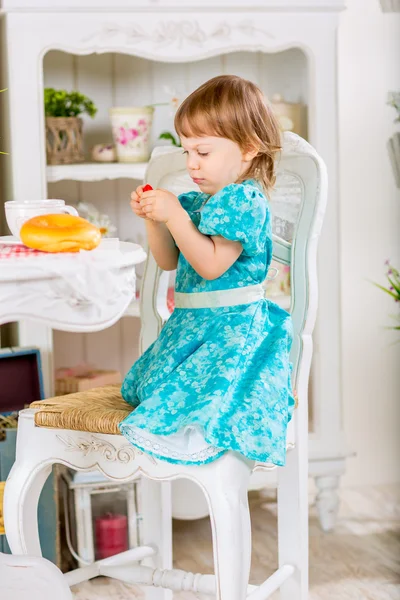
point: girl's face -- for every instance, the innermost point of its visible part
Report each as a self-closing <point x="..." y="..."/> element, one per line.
<point x="214" y="162"/>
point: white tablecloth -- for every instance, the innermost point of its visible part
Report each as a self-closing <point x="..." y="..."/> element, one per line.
<point x="85" y="291"/>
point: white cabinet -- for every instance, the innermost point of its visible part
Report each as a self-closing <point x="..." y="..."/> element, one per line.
<point x="126" y="56"/>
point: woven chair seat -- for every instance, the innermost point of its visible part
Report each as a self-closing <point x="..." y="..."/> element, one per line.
<point x="98" y="410"/>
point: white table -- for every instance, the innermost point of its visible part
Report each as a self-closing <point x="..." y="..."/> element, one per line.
<point x="87" y="291"/>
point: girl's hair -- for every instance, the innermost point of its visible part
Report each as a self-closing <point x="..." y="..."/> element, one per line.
<point x="234" y="108"/>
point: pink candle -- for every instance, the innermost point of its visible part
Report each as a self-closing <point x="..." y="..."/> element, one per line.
<point x="111" y="535"/>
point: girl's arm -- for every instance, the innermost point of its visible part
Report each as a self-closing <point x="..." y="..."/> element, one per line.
<point x="160" y="241"/>
<point x="210" y="256"/>
<point x="162" y="245"/>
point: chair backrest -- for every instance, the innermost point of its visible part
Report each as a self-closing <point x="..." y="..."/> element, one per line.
<point x="297" y="206"/>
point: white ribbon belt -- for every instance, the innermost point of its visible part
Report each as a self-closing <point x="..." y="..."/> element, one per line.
<point x="232" y="297"/>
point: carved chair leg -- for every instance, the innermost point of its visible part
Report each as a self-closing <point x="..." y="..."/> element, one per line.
<point x="156" y="513"/>
<point x="22" y="491"/>
<point x="293" y="524"/>
<point x="231" y="529"/>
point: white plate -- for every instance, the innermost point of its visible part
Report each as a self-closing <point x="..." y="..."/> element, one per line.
<point x="10" y="239"/>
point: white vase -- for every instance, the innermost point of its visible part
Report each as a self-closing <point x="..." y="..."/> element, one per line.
<point x="131" y="132"/>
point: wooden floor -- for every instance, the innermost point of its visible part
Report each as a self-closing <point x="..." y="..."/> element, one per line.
<point x="360" y="560"/>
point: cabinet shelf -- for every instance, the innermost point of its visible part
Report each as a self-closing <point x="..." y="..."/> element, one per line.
<point x="96" y="171"/>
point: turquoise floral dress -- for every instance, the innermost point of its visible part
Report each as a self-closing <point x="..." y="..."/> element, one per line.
<point x="217" y="379"/>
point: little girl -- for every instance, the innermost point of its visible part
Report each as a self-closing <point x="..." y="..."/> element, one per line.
<point x="218" y="376"/>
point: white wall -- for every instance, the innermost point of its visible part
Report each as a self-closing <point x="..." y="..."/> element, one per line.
<point x="369" y="66"/>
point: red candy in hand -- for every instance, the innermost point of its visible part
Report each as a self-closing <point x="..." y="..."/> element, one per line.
<point x="147" y="188"/>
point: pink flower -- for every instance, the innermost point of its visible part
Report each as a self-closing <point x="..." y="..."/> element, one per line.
<point x="132" y="134"/>
<point x="121" y="136"/>
<point x="124" y="136"/>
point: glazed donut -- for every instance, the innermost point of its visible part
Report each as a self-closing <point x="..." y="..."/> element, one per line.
<point x="59" y="233"/>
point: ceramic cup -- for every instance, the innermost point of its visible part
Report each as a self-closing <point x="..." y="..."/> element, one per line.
<point x="19" y="211"/>
<point x="131" y="132"/>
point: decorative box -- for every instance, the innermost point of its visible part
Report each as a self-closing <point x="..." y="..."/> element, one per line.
<point x="20" y="378"/>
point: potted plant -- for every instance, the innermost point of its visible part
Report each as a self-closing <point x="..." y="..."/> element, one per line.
<point x="64" y="126"/>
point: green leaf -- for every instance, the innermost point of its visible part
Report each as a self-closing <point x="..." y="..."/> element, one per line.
<point x="167" y="135"/>
<point x="60" y="103"/>
<point x="395" y="296"/>
<point x="395" y="285"/>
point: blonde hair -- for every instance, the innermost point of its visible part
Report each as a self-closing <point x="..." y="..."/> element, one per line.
<point x="234" y="108"/>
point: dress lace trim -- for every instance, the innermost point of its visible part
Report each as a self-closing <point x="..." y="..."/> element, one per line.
<point x="149" y="442"/>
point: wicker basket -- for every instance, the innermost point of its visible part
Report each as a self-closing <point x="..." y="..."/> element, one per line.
<point x="64" y="140"/>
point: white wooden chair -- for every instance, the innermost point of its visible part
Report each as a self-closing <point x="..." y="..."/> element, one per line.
<point x="31" y="578"/>
<point x="225" y="481"/>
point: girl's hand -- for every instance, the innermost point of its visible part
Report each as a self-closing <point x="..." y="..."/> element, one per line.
<point x="159" y="205"/>
<point x="135" y="202"/>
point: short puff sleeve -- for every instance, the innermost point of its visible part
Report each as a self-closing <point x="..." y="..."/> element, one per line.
<point x="239" y="213"/>
<point x="187" y="198"/>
